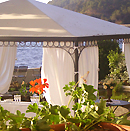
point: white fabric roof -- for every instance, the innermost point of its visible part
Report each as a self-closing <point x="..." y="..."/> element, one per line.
<point x="30" y="18"/>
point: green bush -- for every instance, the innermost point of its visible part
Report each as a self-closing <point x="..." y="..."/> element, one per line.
<point x="117" y="65"/>
<point x="104" y="48"/>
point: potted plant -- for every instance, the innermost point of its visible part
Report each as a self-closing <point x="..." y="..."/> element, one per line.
<point x="94" y="115"/>
<point x="109" y="84"/>
<point x="13" y="122"/>
<point x="37" y="88"/>
<point x="88" y="115"/>
<point x="23" y="91"/>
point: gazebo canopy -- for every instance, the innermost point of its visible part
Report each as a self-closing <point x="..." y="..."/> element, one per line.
<point x="31" y="20"/>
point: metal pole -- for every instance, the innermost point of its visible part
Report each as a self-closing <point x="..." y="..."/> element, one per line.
<point x="76" y="64"/>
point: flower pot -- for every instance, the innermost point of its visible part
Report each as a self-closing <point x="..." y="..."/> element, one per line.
<point x="115" y="127"/>
<point x="104" y="127"/>
<point x="58" y="127"/>
<point x="25" y="98"/>
<point x="35" y="99"/>
<point x="17" y="98"/>
<point x="125" y="127"/>
<point x="25" y="129"/>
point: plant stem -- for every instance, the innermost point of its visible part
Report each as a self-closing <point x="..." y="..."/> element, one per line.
<point x="75" y="87"/>
<point x="87" y="127"/>
<point x="90" y="125"/>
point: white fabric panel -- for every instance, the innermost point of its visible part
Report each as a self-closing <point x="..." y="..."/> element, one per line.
<point x="127" y="56"/>
<point x="7" y="61"/>
<point x="88" y="61"/>
<point x="57" y="67"/>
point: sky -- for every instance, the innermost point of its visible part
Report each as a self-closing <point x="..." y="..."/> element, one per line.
<point x="44" y="1"/>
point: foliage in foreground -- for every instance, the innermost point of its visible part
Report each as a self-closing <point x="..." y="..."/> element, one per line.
<point x="87" y="113"/>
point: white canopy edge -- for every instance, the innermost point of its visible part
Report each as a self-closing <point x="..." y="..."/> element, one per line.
<point x="20" y="18"/>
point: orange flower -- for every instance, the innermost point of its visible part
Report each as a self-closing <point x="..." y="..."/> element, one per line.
<point x="39" y="81"/>
<point x="39" y="89"/>
<point x="44" y="80"/>
<point x="32" y="83"/>
<point x="37" y="86"/>
<point x="45" y="84"/>
<point x="33" y="89"/>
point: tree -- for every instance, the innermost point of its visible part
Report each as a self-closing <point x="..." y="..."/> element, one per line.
<point x="104" y="48"/>
<point x="117" y="66"/>
<point x="117" y="11"/>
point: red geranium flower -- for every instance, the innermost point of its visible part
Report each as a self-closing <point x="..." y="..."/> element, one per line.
<point x="45" y="84"/>
<point x="32" y="83"/>
<point x="37" y="86"/>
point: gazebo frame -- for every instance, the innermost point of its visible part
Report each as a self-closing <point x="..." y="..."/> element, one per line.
<point x="73" y="45"/>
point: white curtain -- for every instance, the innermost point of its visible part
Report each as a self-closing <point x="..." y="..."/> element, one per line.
<point x="88" y="61"/>
<point x="57" y="67"/>
<point x="126" y="50"/>
<point x="7" y="61"/>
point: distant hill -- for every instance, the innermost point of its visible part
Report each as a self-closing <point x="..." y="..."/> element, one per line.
<point x="117" y="11"/>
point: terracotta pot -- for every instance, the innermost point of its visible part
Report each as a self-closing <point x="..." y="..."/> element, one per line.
<point x="125" y="127"/>
<point x="25" y="129"/>
<point x="115" y="127"/>
<point x="58" y="127"/>
<point x="104" y="125"/>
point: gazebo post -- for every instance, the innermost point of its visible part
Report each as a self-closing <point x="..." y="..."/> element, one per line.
<point x="76" y="62"/>
<point x="76" y="71"/>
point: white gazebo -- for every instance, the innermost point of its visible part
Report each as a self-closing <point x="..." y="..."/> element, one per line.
<point x="69" y="41"/>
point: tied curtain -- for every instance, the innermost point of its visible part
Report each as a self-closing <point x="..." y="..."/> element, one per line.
<point x="7" y="62"/>
<point x="58" y="68"/>
<point x="88" y="61"/>
<point x="126" y="50"/>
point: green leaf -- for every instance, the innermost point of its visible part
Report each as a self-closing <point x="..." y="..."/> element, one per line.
<point x="66" y="88"/>
<point x="42" y="126"/>
<point x="91" y="97"/>
<point x="20" y="114"/>
<point x="89" y="88"/>
<point x="123" y="120"/>
<point x="94" y="114"/>
<point x="54" y="119"/>
<point x="73" y="120"/>
<point x="64" y="110"/>
<point x="33" y="108"/>
<point x="54" y="109"/>
<point x="101" y="107"/>
<point x="77" y="106"/>
<point x="72" y="83"/>
<point x="67" y="94"/>
<point x="45" y="104"/>
<point x="26" y="123"/>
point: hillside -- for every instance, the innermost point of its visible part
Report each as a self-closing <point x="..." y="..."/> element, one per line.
<point x="117" y="11"/>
